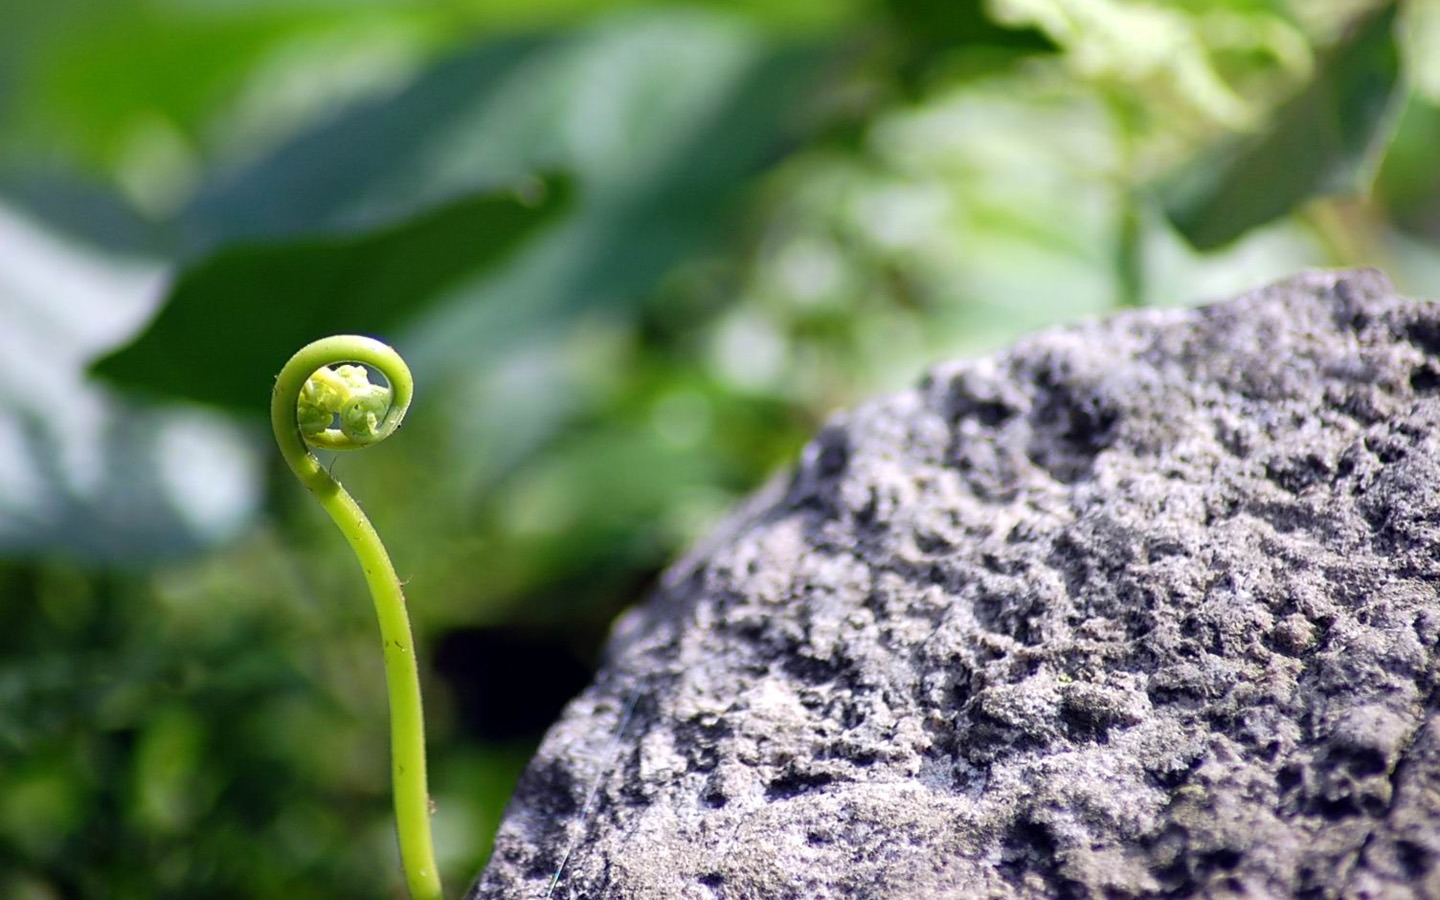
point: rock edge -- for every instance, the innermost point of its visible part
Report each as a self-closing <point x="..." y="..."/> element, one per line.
<point x="1140" y="607"/>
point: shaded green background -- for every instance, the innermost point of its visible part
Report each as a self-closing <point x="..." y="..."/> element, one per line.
<point x="635" y="252"/>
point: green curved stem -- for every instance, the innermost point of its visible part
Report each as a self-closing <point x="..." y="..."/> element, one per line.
<point x="407" y="725"/>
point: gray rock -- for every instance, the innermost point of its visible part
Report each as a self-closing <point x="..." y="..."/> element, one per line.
<point x="1143" y="607"/>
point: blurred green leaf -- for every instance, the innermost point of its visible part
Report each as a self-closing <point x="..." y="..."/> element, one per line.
<point x="665" y="117"/>
<point x="1408" y="185"/>
<point x="97" y="85"/>
<point x="379" y="161"/>
<point x="88" y="212"/>
<point x="81" y="471"/>
<point x="1420" y="44"/>
<point x="941" y="31"/>
<point x="178" y="63"/>
<point x="232" y="320"/>
<point x="662" y="116"/>
<point x="1325" y="140"/>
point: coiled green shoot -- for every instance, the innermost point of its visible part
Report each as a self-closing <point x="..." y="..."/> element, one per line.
<point x="324" y="399"/>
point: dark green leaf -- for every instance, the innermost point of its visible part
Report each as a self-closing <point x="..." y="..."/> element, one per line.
<point x="232" y="320"/>
<point x="1323" y="141"/>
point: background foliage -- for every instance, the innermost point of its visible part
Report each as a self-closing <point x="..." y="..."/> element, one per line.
<point x="635" y="253"/>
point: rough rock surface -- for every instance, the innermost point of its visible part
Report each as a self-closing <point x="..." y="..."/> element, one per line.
<point x="1144" y="607"/>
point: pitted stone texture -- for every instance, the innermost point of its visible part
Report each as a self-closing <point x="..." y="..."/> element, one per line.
<point x="1145" y="607"/>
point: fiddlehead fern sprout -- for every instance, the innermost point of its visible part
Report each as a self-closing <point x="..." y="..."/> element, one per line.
<point x="324" y="399"/>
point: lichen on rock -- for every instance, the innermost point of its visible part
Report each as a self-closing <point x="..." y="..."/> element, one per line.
<point x="1141" y="607"/>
